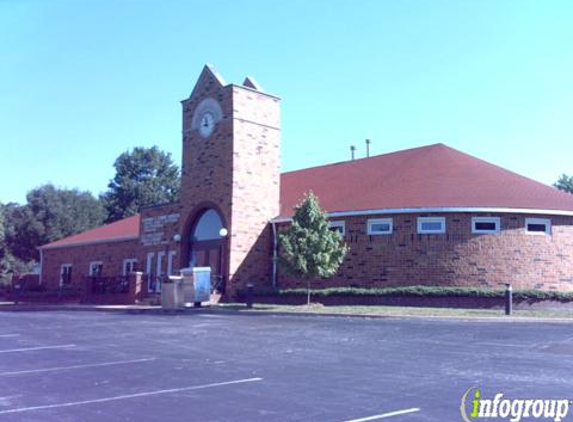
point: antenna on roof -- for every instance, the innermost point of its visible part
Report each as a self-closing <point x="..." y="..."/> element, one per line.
<point x="352" y="149"/>
<point x="368" y="147"/>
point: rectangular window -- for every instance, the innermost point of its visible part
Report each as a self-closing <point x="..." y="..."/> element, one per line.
<point x="66" y="275"/>
<point x="170" y="262"/>
<point x="159" y="273"/>
<point x="431" y="225"/>
<point x="538" y="225"/>
<point x="96" y="269"/>
<point x="149" y="271"/>
<point x="337" y="226"/>
<point x="129" y="266"/>
<point x="486" y="224"/>
<point x="380" y="226"/>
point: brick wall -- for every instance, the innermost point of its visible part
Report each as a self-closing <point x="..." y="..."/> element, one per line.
<point x="111" y="254"/>
<point x="235" y="171"/>
<point x="456" y="258"/>
<point x="159" y="225"/>
<point x="207" y="163"/>
<point x="256" y="185"/>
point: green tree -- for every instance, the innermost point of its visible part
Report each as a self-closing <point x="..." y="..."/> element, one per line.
<point x="50" y="214"/>
<point x="309" y="249"/>
<point x="144" y="176"/>
<point x="2" y="230"/>
<point x="565" y="183"/>
<point x="8" y="262"/>
<point x="4" y="266"/>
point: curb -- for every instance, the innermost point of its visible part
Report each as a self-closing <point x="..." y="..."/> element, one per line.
<point x="137" y="309"/>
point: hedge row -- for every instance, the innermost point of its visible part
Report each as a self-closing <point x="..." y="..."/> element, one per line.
<point x="428" y="291"/>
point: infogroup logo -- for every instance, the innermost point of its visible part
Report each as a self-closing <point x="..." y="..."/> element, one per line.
<point x="474" y="406"/>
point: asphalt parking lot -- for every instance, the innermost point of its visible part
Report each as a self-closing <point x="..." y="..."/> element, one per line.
<point x="98" y="366"/>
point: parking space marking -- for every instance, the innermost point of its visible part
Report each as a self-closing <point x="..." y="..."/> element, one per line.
<point x="28" y="349"/>
<point x="64" y="368"/>
<point x="129" y="396"/>
<point x="9" y="335"/>
<point x="386" y="415"/>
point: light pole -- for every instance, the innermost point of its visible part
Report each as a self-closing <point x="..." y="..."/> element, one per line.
<point x="224" y="233"/>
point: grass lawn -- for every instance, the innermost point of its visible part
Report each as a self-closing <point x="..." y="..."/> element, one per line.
<point x="397" y="311"/>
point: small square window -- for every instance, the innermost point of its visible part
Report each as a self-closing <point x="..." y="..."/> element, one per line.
<point x="378" y="226"/>
<point x="96" y="269"/>
<point x="486" y="224"/>
<point x="431" y="225"/>
<point x="337" y="226"/>
<point x="538" y="225"/>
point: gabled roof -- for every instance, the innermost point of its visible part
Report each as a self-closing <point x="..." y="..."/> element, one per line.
<point x="434" y="176"/>
<point x="125" y="229"/>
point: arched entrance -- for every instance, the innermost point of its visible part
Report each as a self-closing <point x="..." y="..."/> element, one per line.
<point x="207" y="246"/>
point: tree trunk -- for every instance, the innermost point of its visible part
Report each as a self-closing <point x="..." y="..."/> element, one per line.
<point x="308" y="292"/>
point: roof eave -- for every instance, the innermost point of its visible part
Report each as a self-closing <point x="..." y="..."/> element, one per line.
<point x="89" y="242"/>
<point x="421" y="210"/>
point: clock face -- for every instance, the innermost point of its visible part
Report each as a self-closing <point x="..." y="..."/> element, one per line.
<point x="206" y="124"/>
<point x="206" y="116"/>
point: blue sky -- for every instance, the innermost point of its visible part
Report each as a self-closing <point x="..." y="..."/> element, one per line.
<point x="82" y="81"/>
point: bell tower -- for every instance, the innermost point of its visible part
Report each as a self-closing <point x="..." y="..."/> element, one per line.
<point x="231" y="164"/>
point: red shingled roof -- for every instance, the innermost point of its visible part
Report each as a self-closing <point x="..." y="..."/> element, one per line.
<point x="125" y="229"/>
<point x="433" y="176"/>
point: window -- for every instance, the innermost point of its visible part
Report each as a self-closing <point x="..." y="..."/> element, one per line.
<point x="380" y="226"/>
<point x="149" y="271"/>
<point x="159" y="273"/>
<point x="486" y="224"/>
<point x="170" y="260"/>
<point x="431" y="225"/>
<point x="129" y="266"/>
<point x="96" y="269"/>
<point x="66" y="274"/>
<point x="538" y="225"/>
<point x="337" y="226"/>
<point x="208" y="226"/>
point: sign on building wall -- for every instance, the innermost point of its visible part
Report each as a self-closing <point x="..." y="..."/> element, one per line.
<point x="154" y="228"/>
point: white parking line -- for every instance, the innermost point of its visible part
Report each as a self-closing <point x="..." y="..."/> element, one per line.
<point x="27" y="349"/>
<point x="385" y="415"/>
<point x="129" y="396"/>
<point x="9" y="335"/>
<point x="63" y="368"/>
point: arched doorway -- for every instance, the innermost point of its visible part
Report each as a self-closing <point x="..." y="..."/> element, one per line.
<point x="207" y="246"/>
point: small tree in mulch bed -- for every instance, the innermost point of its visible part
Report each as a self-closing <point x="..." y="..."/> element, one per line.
<point x="309" y="249"/>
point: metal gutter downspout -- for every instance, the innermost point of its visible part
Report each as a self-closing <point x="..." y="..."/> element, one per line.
<point x="41" y="264"/>
<point x="275" y="246"/>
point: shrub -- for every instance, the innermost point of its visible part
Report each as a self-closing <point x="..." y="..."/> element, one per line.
<point x="422" y="291"/>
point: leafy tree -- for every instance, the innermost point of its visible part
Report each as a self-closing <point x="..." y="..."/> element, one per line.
<point x="50" y="214"/>
<point x="2" y="230"/>
<point x="3" y="247"/>
<point x="309" y="249"/>
<point x="565" y="183"/>
<point x="8" y="263"/>
<point x="144" y="176"/>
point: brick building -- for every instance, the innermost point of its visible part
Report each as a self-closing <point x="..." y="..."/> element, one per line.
<point x="431" y="215"/>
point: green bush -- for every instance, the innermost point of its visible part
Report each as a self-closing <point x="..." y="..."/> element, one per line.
<point x="422" y="291"/>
